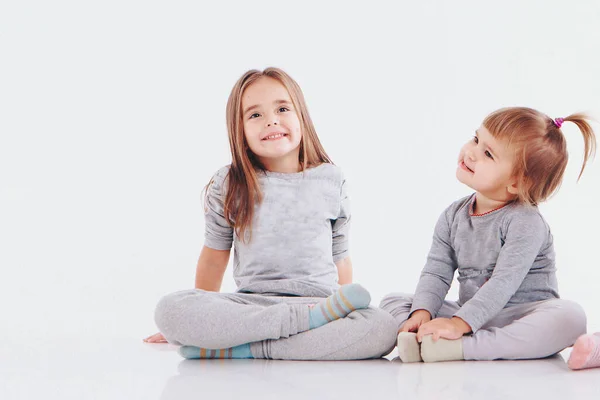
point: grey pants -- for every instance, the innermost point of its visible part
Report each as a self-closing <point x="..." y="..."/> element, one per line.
<point x="276" y="327"/>
<point x="533" y="330"/>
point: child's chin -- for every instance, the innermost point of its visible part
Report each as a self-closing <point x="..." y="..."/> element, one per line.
<point x="467" y="184"/>
<point x="460" y="175"/>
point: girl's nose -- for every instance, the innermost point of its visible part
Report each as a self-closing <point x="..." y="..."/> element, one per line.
<point x="273" y="121"/>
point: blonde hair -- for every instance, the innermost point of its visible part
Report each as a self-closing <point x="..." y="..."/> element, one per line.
<point x="540" y="148"/>
<point x="243" y="189"/>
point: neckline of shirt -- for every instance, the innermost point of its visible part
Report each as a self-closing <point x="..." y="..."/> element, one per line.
<point x="292" y="175"/>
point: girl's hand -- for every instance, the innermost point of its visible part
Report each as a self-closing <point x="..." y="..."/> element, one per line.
<point x="445" y="328"/>
<point x="156" y="338"/>
<point x="417" y="319"/>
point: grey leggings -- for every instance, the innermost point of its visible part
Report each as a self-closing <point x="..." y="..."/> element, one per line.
<point x="275" y="326"/>
<point x="532" y="330"/>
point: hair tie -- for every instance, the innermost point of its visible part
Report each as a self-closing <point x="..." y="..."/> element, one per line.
<point x="558" y="122"/>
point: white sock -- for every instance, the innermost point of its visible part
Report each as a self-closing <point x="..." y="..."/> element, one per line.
<point x="409" y="349"/>
<point x="442" y="350"/>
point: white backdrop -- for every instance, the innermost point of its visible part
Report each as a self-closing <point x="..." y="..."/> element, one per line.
<point x="112" y="119"/>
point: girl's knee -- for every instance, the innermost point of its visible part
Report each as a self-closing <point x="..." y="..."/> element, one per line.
<point x="383" y="333"/>
<point x="569" y="315"/>
<point x="575" y="315"/>
<point x="172" y="308"/>
<point x="394" y="300"/>
<point x="164" y="312"/>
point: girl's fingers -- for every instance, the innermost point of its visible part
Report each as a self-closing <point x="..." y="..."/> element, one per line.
<point x="421" y="333"/>
<point x="408" y="326"/>
<point x="156" y="338"/>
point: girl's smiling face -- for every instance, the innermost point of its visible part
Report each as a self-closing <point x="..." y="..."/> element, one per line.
<point x="486" y="165"/>
<point x="271" y="125"/>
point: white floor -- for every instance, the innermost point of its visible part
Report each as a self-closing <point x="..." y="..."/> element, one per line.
<point x="123" y="368"/>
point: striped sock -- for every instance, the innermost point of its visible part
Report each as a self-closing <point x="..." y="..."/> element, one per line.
<point x="193" y="352"/>
<point x="347" y="299"/>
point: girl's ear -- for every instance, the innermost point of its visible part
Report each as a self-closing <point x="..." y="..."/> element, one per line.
<point x="513" y="187"/>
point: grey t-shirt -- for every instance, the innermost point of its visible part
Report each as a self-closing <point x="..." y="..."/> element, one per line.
<point x="299" y="230"/>
<point x="504" y="258"/>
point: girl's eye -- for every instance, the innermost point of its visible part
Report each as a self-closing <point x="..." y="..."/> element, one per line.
<point x="488" y="154"/>
<point x="475" y="139"/>
<point x="255" y="115"/>
<point x="283" y="109"/>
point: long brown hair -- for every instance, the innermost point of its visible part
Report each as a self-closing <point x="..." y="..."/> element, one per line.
<point x="243" y="189"/>
<point x="541" y="149"/>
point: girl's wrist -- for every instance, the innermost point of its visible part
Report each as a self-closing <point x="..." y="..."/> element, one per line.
<point x="421" y="313"/>
<point x="461" y="324"/>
